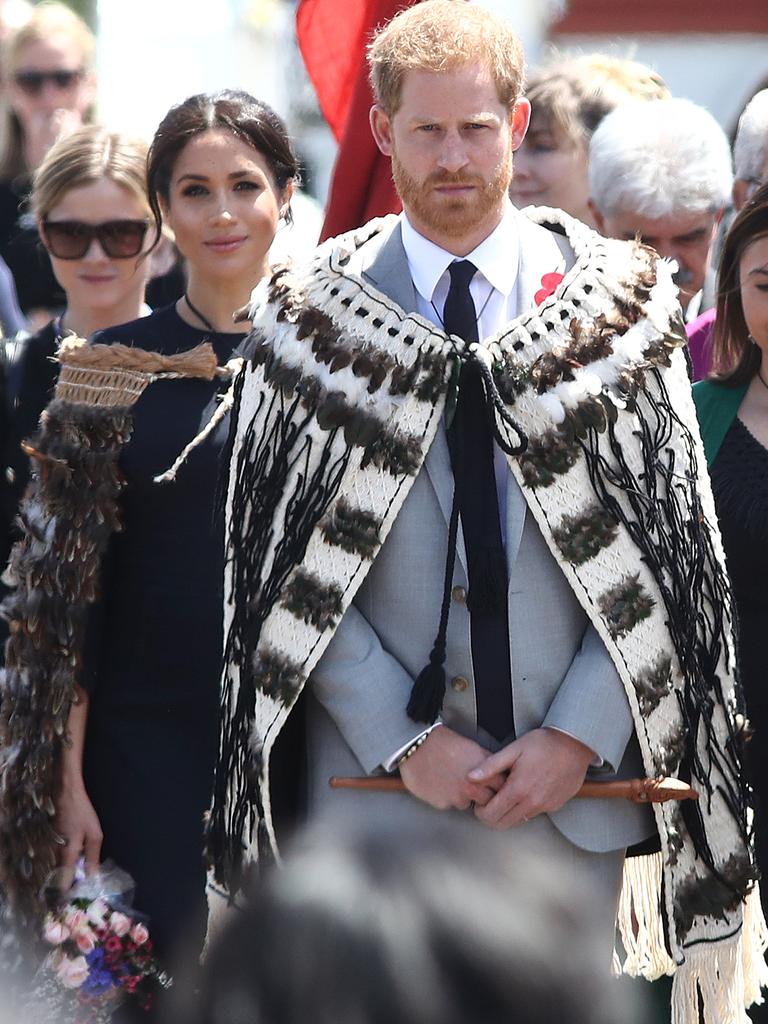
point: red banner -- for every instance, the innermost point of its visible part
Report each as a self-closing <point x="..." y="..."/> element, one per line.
<point x="333" y="35"/>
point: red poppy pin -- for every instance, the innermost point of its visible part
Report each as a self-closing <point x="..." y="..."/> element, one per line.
<point x="548" y="284"/>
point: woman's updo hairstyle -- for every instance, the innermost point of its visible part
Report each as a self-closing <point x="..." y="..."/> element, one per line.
<point x="247" y="118"/>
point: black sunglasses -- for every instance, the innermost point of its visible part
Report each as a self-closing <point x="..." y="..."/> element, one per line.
<point x="32" y="82"/>
<point x="71" y="239"/>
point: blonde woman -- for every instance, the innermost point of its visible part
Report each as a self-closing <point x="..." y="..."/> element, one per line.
<point x="91" y="207"/>
<point x="49" y="91"/>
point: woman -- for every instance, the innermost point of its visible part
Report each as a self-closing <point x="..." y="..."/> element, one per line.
<point x="143" y="729"/>
<point x="732" y="406"/>
<point x="569" y="98"/>
<point x="92" y="210"/>
<point x="49" y="91"/>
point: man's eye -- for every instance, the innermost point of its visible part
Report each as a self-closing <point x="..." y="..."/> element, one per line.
<point x="427" y="127"/>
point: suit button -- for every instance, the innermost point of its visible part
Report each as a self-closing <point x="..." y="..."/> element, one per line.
<point x="459" y="595"/>
<point x="459" y="683"/>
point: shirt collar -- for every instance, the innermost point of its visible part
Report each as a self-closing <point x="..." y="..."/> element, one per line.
<point x="497" y="256"/>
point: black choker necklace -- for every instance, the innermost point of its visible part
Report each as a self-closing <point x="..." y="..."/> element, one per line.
<point x="203" y="320"/>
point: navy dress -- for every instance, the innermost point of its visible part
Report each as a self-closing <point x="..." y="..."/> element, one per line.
<point x="740" y="485"/>
<point x="154" y="649"/>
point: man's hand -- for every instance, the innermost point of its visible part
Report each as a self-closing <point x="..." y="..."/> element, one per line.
<point x="438" y="772"/>
<point x="546" y="768"/>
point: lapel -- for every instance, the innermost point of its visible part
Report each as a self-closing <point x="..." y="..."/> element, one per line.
<point x="387" y="269"/>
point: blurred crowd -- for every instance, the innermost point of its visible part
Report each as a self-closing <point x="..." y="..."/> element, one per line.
<point x="88" y="243"/>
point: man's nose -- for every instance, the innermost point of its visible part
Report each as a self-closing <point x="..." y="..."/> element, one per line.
<point x="453" y="153"/>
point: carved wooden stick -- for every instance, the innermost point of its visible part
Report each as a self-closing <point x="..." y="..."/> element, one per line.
<point x="641" y="791"/>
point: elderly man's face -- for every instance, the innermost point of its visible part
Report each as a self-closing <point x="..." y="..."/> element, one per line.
<point x="685" y="237"/>
<point x="451" y="142"/>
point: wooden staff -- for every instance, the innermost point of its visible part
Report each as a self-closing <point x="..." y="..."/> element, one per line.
<point x="640" y="791"/>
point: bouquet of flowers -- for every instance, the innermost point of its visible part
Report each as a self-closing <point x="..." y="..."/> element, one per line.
<point x="100" y="952"/>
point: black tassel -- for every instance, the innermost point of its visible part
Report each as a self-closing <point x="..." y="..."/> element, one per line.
<point x="487" y="582"/>
<point x="428" y="693"/>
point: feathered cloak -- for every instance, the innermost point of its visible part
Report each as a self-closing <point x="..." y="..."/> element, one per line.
<point x="333" y="418"/>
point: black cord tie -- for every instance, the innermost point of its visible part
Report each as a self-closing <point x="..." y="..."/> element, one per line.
<point x="494" y="405"/>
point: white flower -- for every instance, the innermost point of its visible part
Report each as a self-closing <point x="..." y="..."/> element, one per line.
<point x="96" y="912"/>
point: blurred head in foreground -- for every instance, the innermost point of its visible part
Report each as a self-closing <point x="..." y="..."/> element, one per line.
<point x="437" y="929"/>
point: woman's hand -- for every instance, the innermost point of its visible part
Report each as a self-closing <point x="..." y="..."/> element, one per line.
<point x="78" y="826"/>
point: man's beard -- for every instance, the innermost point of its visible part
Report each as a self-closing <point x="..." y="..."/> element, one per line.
<point x="446" y="216"/>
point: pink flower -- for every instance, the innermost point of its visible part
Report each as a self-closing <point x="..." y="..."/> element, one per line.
<point x="74" y="920"/>
<point x="120" y="924"/>
<point x="55" y="932"/>
<point x="139" y="934"/>
<point x="72" y="973"/>
<point x="84" y="940"/>
<point x="549" y="283"/>
<point x="96" y="912"/>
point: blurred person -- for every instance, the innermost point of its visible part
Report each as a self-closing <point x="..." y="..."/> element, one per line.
<point x="732" y="405"/>
<point x="462" y="588"/>
<point x="569" y="98"/>
<point x="49" y="88"/>
<point x="438" y="927"/>
<point x="138" y="711"/>
<point x="661" y="172"/>
<point x="750" y="158"/>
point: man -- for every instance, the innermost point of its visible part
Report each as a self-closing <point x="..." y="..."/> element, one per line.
<point x="661" y="171"/>
<point x="750" y="158"/>
<point x="486" y="588"/>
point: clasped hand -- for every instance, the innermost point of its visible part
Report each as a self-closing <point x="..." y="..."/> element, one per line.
<point x="535" y="774"/>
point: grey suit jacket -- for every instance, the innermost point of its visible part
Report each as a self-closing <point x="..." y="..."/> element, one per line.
<point x="562" y="675"/>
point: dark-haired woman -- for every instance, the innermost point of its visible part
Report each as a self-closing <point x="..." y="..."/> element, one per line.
<point x="144" y="732"/>
<point x="732" y="407"/>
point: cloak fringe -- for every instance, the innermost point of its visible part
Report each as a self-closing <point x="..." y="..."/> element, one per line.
<point x="640" y="921"/>
<point x="724" y="977"/>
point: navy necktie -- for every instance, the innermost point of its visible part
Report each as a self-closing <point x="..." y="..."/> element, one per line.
<point x="471" y="445"/>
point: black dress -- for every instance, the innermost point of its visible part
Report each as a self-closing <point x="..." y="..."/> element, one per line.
<point x="740" y="485"/>
<point x="153" y="654"/>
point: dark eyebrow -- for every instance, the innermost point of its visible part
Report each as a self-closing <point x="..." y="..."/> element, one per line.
<point x="204" y="177"/>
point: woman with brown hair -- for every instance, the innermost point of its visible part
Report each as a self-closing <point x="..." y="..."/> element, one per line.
<point x="732" y="406"/>
<point x="140" y="708"/>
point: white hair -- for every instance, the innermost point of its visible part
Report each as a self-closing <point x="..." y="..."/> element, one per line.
<point x="750" y="149"/>
<point x="658" y="159"/>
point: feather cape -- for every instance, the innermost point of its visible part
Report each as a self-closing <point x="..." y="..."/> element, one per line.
<point x="333" y="417"/>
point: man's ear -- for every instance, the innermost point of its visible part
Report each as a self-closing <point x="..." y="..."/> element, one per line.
<point x="596" y="216"/>
<point x="519" y="120"/>
<point x="381" y="127"/>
